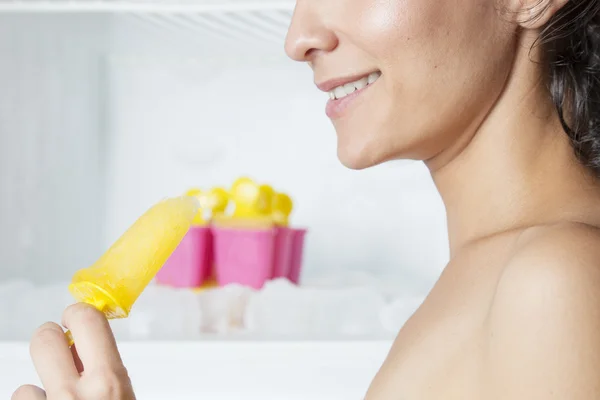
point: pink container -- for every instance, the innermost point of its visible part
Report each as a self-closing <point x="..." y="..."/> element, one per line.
<point x="244" y="256"/>
<point x="189" y="265"/>
<point x="282" y="259"/>
<point x="210" y="256"/>
<point x="297" y="255"/>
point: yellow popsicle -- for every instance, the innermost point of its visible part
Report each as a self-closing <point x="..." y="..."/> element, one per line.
<point x="199" y="218"/>
<point x="282" y="206"/>
<point x="218" y="200"/>
<point x="265" y="202"/>
<point x="119" y="277"/>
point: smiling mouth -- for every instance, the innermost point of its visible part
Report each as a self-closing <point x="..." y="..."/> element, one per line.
<point x="344" y="95"/>
<point x="349" y="88"/>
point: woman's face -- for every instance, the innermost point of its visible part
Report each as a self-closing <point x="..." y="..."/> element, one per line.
<point x="410" y="78"/>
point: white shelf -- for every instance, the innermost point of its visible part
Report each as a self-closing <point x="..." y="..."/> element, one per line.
<point x="242" y="25"/>
<point x="251" y="26"/>
<point x="225" y="370"/>
<point x="145" y="6"/>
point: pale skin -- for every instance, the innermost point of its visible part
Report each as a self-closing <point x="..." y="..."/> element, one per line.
<point x="516" y="313"/>
<point x="91" y="370"/>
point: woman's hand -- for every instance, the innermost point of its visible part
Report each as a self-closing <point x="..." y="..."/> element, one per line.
<point x="90" y="370"/>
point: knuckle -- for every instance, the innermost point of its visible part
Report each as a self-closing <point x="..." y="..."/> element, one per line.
<point x="27" y="392"/>
<point x="109" y="384"/>
<point x="82" y="313"/>
<point x="46" y="335"/>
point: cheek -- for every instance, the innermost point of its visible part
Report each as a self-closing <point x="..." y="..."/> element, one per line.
<point x="410" y="40"/>
<point x="386" y="27"/>
<point x="396" y="32"/>
<point x="434" y="55"/>
<point x="381" y="19"/>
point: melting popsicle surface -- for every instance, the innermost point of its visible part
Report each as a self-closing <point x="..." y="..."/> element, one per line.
<point x="117" y="279"/>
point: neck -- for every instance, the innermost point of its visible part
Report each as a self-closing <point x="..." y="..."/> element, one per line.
<point x="515" y="170"/>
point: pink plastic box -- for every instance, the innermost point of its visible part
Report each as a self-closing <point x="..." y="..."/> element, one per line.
<point x="244" y="256"/>
<point x="282" y="259"/>
<point x="248" y="257"/>
<point x="297" y="255"/>
<point x="190" y="264"/>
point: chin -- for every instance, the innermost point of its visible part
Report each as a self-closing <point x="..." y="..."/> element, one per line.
<point x="358" y="157"/>
<point x="362" y="154"/>
<point x="363" y="143"/>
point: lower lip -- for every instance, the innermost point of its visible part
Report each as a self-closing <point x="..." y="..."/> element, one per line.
<point x="336" y="108"/>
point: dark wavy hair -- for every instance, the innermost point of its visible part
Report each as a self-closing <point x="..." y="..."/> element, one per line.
<point x="570" y="44"/>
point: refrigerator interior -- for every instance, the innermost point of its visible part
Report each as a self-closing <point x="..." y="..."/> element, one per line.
<point x="109" y="106"/>
<point x="231" y="371"/>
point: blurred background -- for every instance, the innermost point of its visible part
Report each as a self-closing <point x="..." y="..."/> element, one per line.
<point x="107" y="107"/>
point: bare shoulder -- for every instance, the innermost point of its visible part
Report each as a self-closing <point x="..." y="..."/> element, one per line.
<point x="555" y="258"/>
<point x="544" y="323"/>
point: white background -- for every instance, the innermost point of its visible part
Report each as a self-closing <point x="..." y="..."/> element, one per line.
<point x="100" y="120"/>
<point x="230" y="371"/>
<point x="95" y="128"/>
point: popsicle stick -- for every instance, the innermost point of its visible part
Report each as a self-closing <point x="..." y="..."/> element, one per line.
<point x="69" y="337"/>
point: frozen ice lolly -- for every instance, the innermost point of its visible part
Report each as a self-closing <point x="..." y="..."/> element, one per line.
<point x="217" y="201"/>
<point x="119" y="277"/>
<point x="199" y="218"/>
<point x="282" y="206"/>
<point x="252" y="201"/>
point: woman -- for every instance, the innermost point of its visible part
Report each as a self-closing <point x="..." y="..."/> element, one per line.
<point x="501" y="99"/>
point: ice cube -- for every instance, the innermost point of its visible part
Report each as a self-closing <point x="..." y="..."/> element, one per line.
<point x="404" y="284"/>
<point x="120" y="328"/>
<point x="32" y="306"/>
<point x="347" y="312"/>
<point x="284" y="309"/>
<point x="223" y="309"/>
<point x="391" y="286"/>
<point x="280" y="308"/>
<point x="353" y="306"/>
<point x="49" y="302"/>
<point x="163" y="313"/>
<point x="394" y="315"/>
<point x="342" y="279"/>
<point x="42" y="304"/>
<point x="15" y="323"/>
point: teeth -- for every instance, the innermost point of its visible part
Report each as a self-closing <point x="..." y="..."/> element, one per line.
<point x="361" y="84"/>
<point x="373" y="77"/>
<point x="349" y="88"/>
<point x="339" y="92"/>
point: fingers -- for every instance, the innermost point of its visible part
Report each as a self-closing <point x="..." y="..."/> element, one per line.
<point x="94" y="340"/>
<point x="77" y="360"/>
<point x="52" y="358"/>
<point x="29" y="392"/>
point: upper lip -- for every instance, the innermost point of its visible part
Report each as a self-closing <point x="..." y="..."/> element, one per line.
<point x="328" y="86"/>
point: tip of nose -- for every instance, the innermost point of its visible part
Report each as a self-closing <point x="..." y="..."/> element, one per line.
<point x="304" y="51"/>
<point x="295" y="50"/>
<point x="308" y="36"/>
